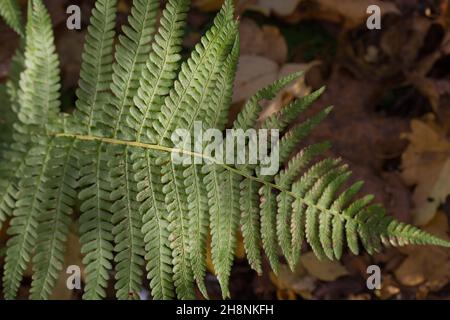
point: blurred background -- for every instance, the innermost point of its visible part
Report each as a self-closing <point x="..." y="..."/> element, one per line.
<point x="391" y="122"/>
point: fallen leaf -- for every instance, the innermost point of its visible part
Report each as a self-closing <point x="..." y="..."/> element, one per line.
<point x="323" y="270"/>
<point x="428" y="266"/>
<point x="266" y="41"/>
<point x="263" y="55"/>
<point x="290" y="283"/>
<point x="389" y="288"/>
<point x="254" y="72"/>
<point x="426" y="165"/>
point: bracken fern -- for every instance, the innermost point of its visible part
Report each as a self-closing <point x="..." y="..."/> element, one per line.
<point x="138" y="209"/>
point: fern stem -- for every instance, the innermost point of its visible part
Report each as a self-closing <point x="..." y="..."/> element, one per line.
<point x="158" y="147"/>
<point x="303" y="199"/>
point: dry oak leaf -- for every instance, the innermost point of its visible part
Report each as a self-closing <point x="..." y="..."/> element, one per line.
<point x="426" y="164"/>
<point x="266" y="41"/>
<point x="427" y="265"/>
<point x="325" y="270"/>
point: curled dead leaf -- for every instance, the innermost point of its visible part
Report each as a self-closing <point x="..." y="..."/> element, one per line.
<point x="426" y="165"/>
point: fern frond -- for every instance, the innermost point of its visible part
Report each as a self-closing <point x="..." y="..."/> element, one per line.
<point x="96" y="67"/>
<point x="137" y="205"/>
<point x="155" y="224"/>
<point x="225" y="230"/>
<point x="195" y="179"/>
<point x="217" y="115"/>
<point x="186" y="103"/>
<point x="268" y="205"/>
<point x="175" y="200"/>
<point x="11" y="169"/>
<point x="159" y="72"/>
<point x="250" y="226"/>
<point x="183" y="104"/>
<point x="93" y="93"/>
<point x="127" y="224"/>
<point x="61" y="180"/>
<point x="40" y="82"/>
<point x="39" y="104"/>
<point x="281" y="119"/>
<point x="252" y="109"/>
<point x="131" y="55"/>
<point x="193" y="176"/>
<point x="95" y="221"/>
<point x="10" y="11"/>
<point x="293" y="137"/>
<point x="24" y="224"/>
<point x="198" y="223"/>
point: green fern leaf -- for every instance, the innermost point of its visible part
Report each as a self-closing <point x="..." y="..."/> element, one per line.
<point x="183" y="106"/>
<point x="40" y="82"/>
<point x="61" y="176"/>
<point x="155" y="225"/>
<point x="127" y="223"/>
<point x="96" y="68"/>
<point x="24" y="224"/>
<point x="95" y="220"/>
<point x="157" y="79"/>
<point x="131" y="56"/>
<point x="10" y="11"/>
<point x="160" y="71"/>
<point x="138" y="206"/>
<point x="39" y="103"/>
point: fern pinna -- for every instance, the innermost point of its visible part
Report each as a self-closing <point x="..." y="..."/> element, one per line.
<point x="138" y="209"/>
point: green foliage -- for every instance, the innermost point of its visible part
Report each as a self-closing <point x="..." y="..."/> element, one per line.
<point x="10" y="11"/>
<point x="138" y="209"/>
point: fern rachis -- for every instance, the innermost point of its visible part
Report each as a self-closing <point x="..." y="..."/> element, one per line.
<point x="139" y="209"/>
